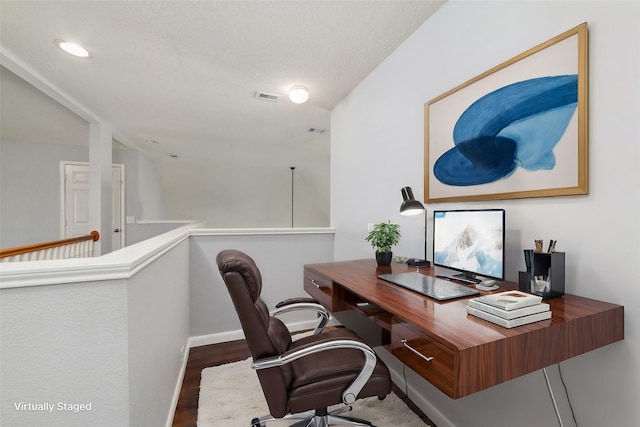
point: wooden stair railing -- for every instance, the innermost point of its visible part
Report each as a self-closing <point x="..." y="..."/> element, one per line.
<point x="74" y="247"/>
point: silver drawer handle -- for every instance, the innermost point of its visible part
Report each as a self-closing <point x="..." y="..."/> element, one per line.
<point x="315" y="284"/>
<point x="428" y="359"/>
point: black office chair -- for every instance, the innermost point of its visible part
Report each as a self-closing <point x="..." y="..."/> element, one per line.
<point x="301" y="379"/>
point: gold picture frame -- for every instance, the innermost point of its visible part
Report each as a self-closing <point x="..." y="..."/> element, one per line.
<point x="518" y="130"/>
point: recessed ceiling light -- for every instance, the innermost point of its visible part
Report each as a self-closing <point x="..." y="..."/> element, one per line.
<point x="299" y="94"/>
<point x="72" y="48"/>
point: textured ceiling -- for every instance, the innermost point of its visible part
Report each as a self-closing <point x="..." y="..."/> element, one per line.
<point x="184" y="73"/>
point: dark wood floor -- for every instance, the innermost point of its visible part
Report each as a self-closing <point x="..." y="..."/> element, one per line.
<point x="186" y="414"/>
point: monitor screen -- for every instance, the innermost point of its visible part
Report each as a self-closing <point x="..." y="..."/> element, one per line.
<point x="470" y="241"/>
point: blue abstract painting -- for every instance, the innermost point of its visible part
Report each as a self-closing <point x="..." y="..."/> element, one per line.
<point x="517" y="125"/>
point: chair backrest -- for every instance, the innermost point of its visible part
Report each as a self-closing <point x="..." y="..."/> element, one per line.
<point x="266" y="336"/>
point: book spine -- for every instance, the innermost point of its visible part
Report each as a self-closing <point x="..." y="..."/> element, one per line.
<point x="529" y="319"/>
<point x="488" y="316"/>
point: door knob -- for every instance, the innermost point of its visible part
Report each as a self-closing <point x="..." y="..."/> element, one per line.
<point x="117" y="230"/>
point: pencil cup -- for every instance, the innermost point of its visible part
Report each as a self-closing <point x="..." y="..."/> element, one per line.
<point x="547" y="276"/>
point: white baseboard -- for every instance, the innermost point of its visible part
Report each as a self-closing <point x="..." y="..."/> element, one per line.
<point x="200" y="340"/>
<point x="176" y="391"/>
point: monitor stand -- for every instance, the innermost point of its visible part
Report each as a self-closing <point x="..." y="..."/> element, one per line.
<point x="465" y="278"/>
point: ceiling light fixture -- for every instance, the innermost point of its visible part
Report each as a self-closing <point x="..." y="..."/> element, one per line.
<point x="299" y="94"/>
<point x="72" y="48"/>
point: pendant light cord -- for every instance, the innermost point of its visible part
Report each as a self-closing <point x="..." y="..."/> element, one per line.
<point x="292" y="169"/>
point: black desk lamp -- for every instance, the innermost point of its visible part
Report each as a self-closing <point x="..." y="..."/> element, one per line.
<point x="410" y="206"/>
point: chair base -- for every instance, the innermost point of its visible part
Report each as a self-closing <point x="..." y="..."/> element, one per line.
<point x="317" y="418"/>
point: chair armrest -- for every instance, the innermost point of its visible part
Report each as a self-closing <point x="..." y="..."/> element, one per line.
<point x="351" y="393"/>
<point x="293" y="305"/>
<point x="295" y="301"/>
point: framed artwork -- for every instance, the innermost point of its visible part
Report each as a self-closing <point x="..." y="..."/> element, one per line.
<point x="518" y="130"/>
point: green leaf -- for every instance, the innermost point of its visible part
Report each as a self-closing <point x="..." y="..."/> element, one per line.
<point x="384" y="236"/>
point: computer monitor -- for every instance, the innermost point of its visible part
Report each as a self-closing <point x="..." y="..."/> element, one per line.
<point x="470" y="241"/>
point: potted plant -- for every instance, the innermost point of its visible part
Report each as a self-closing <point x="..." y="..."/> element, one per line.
<point x="382" y="238"/>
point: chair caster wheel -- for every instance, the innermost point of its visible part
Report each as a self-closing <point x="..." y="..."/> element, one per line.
<point x="382" y="397"/>
<point x="256" y="423"/>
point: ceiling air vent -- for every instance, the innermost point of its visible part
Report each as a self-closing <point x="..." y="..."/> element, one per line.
<point x="267" y="96"/>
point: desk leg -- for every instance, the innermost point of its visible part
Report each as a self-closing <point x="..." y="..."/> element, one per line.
<point x="553" y="399"/>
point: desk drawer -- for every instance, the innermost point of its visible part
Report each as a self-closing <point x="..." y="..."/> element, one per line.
<point x="428" y="358"/>
<point x="320" y="288"/>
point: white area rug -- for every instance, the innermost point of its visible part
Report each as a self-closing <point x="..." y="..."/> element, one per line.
<point x="230" y="396"/>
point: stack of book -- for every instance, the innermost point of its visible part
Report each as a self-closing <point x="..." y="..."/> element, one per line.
<point x="509" y="309"/>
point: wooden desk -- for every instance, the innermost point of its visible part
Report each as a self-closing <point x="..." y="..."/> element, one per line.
<point x="469" y="354"/>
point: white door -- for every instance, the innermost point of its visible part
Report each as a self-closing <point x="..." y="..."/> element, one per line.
<point x="76" y="203"/>
<point x="76" y="200"/>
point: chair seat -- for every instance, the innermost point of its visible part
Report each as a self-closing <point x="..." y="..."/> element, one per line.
<point x="319" y="379"/>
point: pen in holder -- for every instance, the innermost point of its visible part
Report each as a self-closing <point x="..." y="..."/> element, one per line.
<point x="544" y="275"/>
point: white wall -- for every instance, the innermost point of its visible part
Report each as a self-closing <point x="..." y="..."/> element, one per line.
<point x="247" y="193"/>
<point x="377" y="148"/>
<point x="67" y="344"/>
<point x="150" y="194"/>
<point x="143" y="230"/>
<point x="158" y="328"/>
<point x="280" y="255"/>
